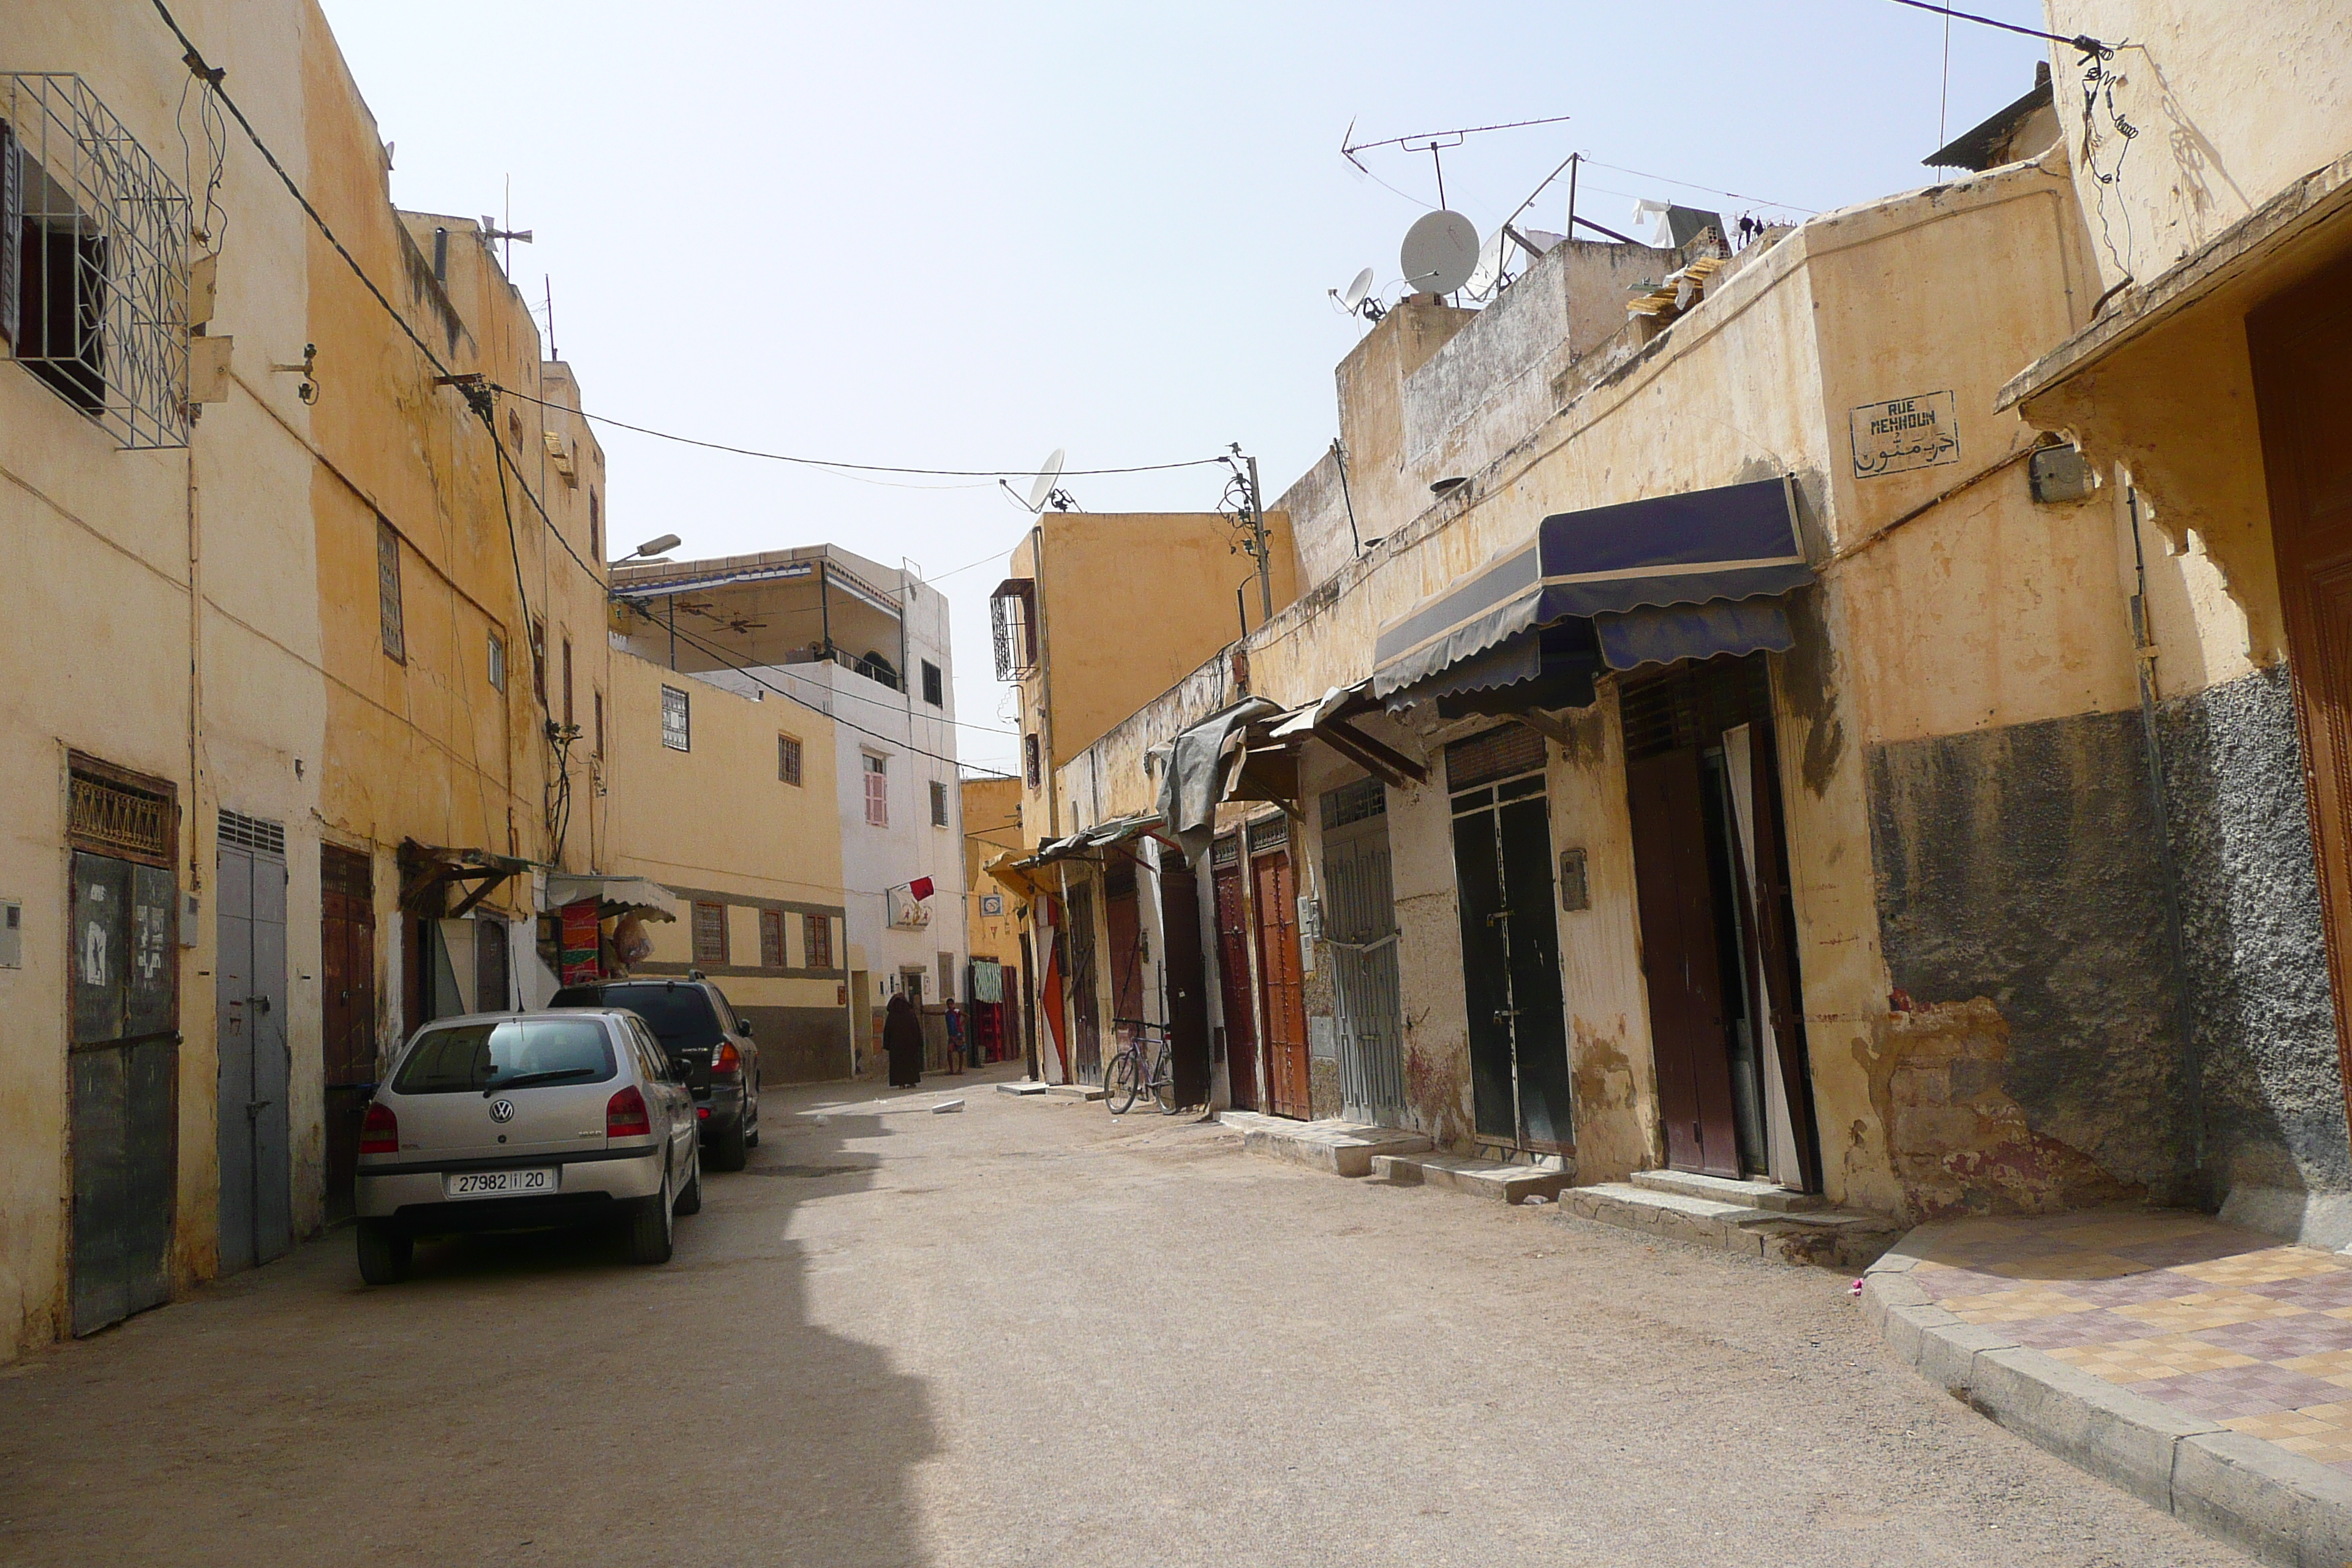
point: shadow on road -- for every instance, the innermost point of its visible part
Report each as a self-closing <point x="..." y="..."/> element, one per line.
<point x="525" y="1398"/>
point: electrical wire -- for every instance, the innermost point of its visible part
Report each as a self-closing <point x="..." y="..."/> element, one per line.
<point x="1693" y="186"/>
<point x="2088" y="45"/>
<point x="829" y="463"/>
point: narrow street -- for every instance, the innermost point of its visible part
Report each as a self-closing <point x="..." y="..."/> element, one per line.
<point x="1028" y="1333"/>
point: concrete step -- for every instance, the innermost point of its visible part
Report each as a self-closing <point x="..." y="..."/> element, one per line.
<point x="1752" y="1194"/>
<point x="1022" y="1085"/>
<point x="1843" y="1239"/>
<point x="1343" y="1148"/>
<point x="1075" y="1090"/>
<point x="1490" y="1179"/>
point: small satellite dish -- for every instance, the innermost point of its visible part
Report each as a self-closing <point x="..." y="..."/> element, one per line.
<point x="1485" y="279"/>
<point x="1043" y="490"/>
<point x="1439" y="253"/>
<point x="1353" y="299"/>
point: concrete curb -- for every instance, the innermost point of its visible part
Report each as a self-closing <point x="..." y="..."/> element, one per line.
<point x="2252" y="1494"/>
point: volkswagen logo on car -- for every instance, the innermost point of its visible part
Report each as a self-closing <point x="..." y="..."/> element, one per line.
<point x="502" y="1111"/>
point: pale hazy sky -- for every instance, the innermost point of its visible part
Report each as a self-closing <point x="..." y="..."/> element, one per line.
<point x="959" y="236"/>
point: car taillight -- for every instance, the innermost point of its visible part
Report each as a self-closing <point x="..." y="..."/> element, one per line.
<point x="726" y="1061"/>
<point x="625" y="1115"/>
<point x="380" y="1133"/>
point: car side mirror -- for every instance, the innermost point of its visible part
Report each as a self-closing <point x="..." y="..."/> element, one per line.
<point x="748" y="1030"/>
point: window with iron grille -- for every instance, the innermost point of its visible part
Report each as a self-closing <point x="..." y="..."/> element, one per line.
<point x="568" y="722"/>
<point x="1013" y="616"/>
<point x="93" y="260"/>
<point x="1269" y="833"/>
<point x="709" y="933"/>
<point x="676" y="732"/>
<point x="1501" y="752"/>
<point x="771" y="939"/>
<point x="538" y="662"/>
<point x="934" y="688"/>
<point x="878" y="790"/>
<point x="788" y="759"/>
<point x="1354" y="803"/>
<point x="816" y="941"/>
<point x="1030" y="763"/>
<point x="387" y="590"/>
<point x="599" y="706"/>
<point x="595" y="526"/>
<point x="938" y="804"/>
<point x="254" y="832"/>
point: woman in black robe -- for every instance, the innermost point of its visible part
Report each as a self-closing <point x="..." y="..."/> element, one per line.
<point x="902" y="1037"/>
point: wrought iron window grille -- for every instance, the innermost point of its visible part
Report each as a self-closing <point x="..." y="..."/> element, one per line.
<point x="94" y="241"/>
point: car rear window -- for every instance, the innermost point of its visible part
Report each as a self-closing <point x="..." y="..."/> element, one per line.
<point x="680" y="1014"/>
<point x="463" y="1056"/>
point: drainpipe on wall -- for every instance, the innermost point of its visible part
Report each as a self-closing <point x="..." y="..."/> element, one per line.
<point x="2143" y="649"/>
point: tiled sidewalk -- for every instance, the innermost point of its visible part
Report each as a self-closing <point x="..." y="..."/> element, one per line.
<point x="2224" y="1324"/>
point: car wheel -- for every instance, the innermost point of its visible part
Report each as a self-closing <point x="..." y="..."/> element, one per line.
<point x="751" y="1139"/>
<point x="689" y="1196"/>
<point x="385" y="1252"/>
<point x="730" y="1150"/>
<point x="651" y="1229"/>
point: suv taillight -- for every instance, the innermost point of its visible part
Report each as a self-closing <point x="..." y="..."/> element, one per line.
<point x="625" y="1115"/>
<point x="726" y="1061"/>
<point x="380" y="1133"/>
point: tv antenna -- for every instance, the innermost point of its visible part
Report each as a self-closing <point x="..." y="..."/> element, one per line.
<point x="1045" y="489"/>
<point x="1431" y="143"/>
<point x="1357" y="298"/>
<point x="1439" y="253"/>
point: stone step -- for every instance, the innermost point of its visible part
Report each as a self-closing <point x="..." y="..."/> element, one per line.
<point x="1843" y="1239"/>
<point x="1075" y="1090"/>
<point x="1343" y="1148"/>
<point x="1022" y="1085"/>
<point x="1490" y="1179"/>
<point x="1752" y="1194"/>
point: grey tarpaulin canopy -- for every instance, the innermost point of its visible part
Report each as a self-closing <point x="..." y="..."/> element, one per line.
<point x="1648" y="582"/>
<point x="1192" y="781"/>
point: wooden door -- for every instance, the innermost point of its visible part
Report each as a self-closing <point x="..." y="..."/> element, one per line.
<point x="1518" y="1022"/>
<point x="1233" y="983"/>
<point x="1188" y="991"/>
<point x="1680" y="963"/>
<point x="1123" y="926"/>
<point x="1280" y="984"/>
<point x="347" y="1008"/>
<point x="2302" y="347"/>
<point x="1085" y="1007"/>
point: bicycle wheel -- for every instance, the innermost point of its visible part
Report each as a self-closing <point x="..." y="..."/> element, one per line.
<point x="1163" y="1081"/>
<point x="1121" y="1083"/>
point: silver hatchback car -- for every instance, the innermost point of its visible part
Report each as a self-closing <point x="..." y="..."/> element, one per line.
<point x="517" y="1120"/>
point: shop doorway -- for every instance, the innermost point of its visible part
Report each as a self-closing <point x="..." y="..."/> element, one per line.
<point x="1709" y="858"/>
<point x="1510" y="941"/>
<point x="1361" y="933"/>
<point x="1282" y="990"/>
<point x="1085" y="1007"/>
<point x="1234" y="974"/>
<point x="2302" y="347"/>
<point x="347" y="1010"/>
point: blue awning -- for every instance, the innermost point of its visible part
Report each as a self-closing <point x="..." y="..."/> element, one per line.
<point x="1633" y="571"/>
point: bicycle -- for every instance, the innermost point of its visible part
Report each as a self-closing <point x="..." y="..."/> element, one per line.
<point x="1128" y="1075"/>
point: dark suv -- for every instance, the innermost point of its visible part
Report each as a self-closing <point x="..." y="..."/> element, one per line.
<point x="712" y="1047"/>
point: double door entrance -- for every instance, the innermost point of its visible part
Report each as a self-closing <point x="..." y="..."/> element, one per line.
<point x="1709" y="862"/>
<point x="257" y="1216"/>
<point x="1510" y="941"/>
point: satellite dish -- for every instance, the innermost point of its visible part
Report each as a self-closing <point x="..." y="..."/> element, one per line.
<point x="1439" y="252"/>
<point x="1485" y="279"/>
<point x="1354" y="297"/>
<point x="1043" y="490"/>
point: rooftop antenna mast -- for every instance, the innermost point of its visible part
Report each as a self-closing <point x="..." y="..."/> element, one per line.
<point x="1431" y="141"/>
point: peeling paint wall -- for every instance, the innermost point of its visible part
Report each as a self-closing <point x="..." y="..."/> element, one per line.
<point x="2021" y="907"/>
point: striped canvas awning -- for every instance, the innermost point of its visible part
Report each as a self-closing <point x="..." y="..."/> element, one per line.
<point x="1674" y="577"/>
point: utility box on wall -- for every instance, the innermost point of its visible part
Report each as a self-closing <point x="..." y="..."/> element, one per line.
<point x="1575" y="892"/>
<point x="12" y="933"/>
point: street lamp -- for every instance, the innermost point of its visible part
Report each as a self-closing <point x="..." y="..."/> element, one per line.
<point x="651" y="547"/>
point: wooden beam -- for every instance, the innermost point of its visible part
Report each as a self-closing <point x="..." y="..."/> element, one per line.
<point x="1372" y="754"/>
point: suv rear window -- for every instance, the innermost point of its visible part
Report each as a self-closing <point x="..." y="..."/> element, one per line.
<point x="679" y="1012"/>
<point x="463" y="1056"/>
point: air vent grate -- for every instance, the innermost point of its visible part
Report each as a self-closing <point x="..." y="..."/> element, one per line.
<point x="253" y="833"/>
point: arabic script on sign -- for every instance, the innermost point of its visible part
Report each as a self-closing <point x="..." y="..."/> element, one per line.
<point x="1904" y="434"/>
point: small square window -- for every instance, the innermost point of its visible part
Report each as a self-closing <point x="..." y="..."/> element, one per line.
<point x="788" y="759"/>
<point x="878" y="790"/>
<point x="677" y="732"/>
<point x="934" y="688"/>
<point x="938" y="804"/>
<point x="498" y="662"/>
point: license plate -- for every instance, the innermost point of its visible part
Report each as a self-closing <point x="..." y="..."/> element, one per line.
<point x="496" y="1183"/>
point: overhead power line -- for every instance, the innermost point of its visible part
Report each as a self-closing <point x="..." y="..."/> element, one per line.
<point x="830" y="463"/>
<point x="2082" y="41"/>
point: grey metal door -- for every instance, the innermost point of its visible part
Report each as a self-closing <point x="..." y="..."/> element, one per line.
<point x="255" y="1182"/>
<point x="1360" y="931"/>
